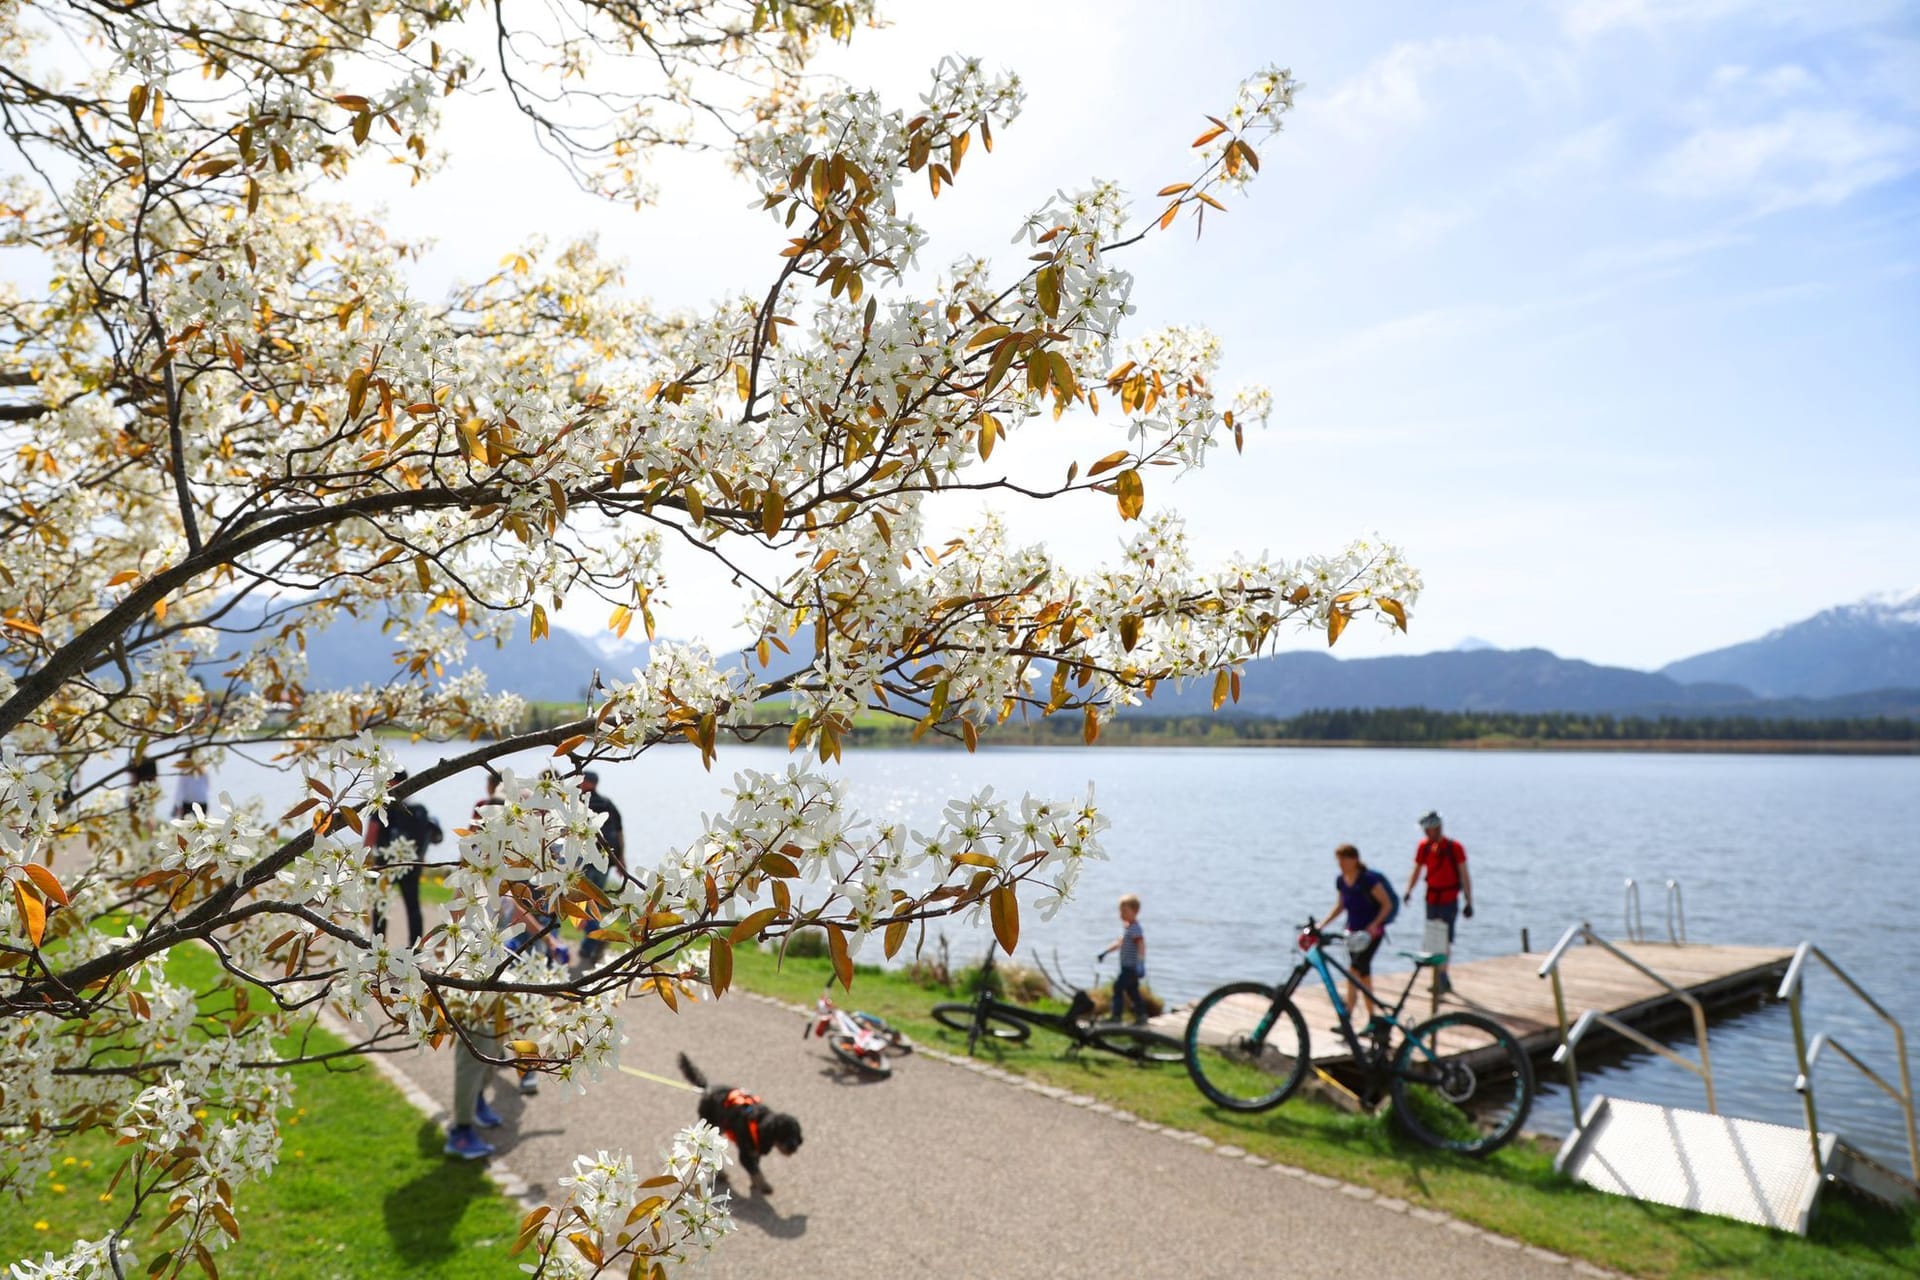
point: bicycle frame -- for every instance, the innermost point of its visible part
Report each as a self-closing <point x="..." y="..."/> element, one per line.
<point x="1315" y="958"/>
<point x="828" y="1016"/>
<point x="1073" y="1025"/>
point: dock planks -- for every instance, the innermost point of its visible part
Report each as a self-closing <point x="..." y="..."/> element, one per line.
<point x="1509" y="990"/>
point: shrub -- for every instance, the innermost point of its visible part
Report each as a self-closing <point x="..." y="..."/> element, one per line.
<point x="806" y="944"/>
<point x="1103" y="1002"/>
<point x="1007" y="981"/>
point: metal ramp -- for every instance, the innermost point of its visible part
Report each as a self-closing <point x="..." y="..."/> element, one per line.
<point x="1742" y="1169"/>
<point x="1767" y="1174"/>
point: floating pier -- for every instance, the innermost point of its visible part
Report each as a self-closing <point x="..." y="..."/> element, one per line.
<point x="1509" y="990"/>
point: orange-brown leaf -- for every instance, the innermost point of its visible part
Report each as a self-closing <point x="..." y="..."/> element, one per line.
<point x="33" y="912"/>
<point x="1004" y="907"/>
<point x="720" y="965"/>
<point x="842" y="958"/>
<point x="48" y="883"/>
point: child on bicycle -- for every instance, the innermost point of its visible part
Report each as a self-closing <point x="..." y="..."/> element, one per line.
<point x="1132" y="945"/>
<point x="1366" y="900"/>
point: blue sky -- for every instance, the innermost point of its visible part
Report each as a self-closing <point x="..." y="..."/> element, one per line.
<point x="1608" y="312"/>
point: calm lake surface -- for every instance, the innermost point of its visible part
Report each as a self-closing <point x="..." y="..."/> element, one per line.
<point x="1231" y="849"/>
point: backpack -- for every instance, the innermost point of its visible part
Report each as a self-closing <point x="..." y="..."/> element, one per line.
<point x="1452" y="855"/>
<point x="1393" y="899"/>
<point x="1393" y="895"/>
<point x="413" y="822"/>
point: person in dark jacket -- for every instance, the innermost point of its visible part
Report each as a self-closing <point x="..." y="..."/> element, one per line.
<point x="613" y="843"/>
<point x="412" y="822"/>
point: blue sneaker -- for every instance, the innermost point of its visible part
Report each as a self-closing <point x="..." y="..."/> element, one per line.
<point x="562" y="957"/>
<point x="485" y="1116"/>
<point x="462" y="1141"/>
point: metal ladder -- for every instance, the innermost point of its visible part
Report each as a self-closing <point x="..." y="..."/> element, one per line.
<point x="1636" y="925"/>
<point x="1750" y="1170"/>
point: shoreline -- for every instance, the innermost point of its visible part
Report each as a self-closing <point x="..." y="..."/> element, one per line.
<point x="1650" y="746"/>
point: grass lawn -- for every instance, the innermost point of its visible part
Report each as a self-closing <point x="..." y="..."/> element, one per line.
<point x="362" y="1190"/>
<point x="1516" y="1192"/>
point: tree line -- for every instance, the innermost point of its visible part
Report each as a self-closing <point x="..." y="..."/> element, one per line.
<point x="1404" y="726"/>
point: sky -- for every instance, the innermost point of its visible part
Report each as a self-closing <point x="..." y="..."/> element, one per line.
<point x="1607" y="312"/>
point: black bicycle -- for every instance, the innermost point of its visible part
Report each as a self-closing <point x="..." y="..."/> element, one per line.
<point x="996" y="1019"/>
<point x="1459" y="1081"/>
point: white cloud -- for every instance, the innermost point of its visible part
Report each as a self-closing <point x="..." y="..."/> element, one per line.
<point x="1775" y="82"/>
<point x="1586" y="18"/>
<point x="1801" y="158"/>
<point x="1593" y="17"/>
<point x="1421" y="226"/>
<point x="1612" y="259"/>
<point x="1391" y="94"/>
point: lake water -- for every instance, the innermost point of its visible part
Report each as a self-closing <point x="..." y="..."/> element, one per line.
<point x="1230" y="849"/>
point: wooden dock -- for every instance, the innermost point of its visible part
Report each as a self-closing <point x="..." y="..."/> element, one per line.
<point x="1509" y="990"/>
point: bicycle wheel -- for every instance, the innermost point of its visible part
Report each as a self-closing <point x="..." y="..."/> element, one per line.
<point x="1461" y="1082"/>
<point x="873" y="1064"/>
<point x="959" y="1017"/>
<point x="1246" y="1047"/>
<point x="1141" y="1044"/>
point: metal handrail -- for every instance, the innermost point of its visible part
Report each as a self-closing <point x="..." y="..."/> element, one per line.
<point x="1570" y="1039"/>
<point x="1593" y="1017"/>
<point x="1636" y="924"/>
<point x="1676" y="910"/>
<point x="1803" y="1083"/>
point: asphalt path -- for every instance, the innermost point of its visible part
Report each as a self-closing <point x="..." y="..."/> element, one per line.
<point x="946" y="1170"/>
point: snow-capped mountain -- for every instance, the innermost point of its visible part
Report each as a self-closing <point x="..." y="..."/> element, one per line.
<point x="1873" y="643"/>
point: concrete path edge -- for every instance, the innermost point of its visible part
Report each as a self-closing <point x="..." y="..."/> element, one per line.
<point x="519" y="1190"/>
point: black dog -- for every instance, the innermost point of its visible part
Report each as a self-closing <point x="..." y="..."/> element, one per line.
<point x="754" y="1127"/>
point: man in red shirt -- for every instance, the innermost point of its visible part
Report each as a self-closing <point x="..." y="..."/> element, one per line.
<point x="1444" y="863"/>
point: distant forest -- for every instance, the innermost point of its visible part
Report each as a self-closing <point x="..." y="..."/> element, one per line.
<point x="1400" y="726"/>
<point x="1417" y="726"/>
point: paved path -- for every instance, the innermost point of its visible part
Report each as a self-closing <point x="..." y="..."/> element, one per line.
<point x="944" y="1170"/>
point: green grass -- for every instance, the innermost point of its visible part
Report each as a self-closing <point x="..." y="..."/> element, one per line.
<point x="1516" y="1192"/>
<point x="362" y="1190"/>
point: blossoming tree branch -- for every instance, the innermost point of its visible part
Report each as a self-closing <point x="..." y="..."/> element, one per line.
<point x="227" y="417"/>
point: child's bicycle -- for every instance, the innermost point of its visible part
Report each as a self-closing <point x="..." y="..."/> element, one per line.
<point x="861" y="1041"/>
<point x="1460" y="1081"/>
<point x="896" y="1039"/>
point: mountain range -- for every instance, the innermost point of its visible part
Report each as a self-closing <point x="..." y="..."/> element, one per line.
<point x="1860" y="659"/>
<point x="1871" y="644"/>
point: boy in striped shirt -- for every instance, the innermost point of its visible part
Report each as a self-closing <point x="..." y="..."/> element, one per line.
<point x="1132" y="945"/>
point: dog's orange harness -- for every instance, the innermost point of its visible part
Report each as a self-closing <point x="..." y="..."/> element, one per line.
<point x="742" y="1100"/>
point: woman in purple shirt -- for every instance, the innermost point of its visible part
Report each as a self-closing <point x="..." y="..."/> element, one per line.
<point x="1365" y="898"/>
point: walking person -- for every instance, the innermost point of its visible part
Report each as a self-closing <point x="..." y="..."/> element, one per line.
<point x="1368" y="901"/>
<point x="144" y="793"/>
<point x="411" y="822"/>
<point x="1444" y="863"/>
<point x="192" y="789"/>
<point x="471" y="1075"/>
<point x="1132" y="945"/>
<point x="613" y="843"/>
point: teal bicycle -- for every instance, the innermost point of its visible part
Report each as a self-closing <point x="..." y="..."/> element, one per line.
<point x="1459" y="1081"/>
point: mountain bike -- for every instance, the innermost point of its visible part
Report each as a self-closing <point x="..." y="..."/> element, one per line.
<point x="1459" y="1081"/>
<point x="857" y="1043"/>
<point x="1007" y="1023"/>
